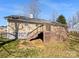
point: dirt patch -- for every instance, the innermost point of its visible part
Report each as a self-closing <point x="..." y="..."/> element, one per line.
<point x="35" y="43"/>
<point x="38" y="43"/>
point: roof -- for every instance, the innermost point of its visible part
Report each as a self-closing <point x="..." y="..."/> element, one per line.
<point x="3" y="27"/>
<point x="30" y="20"/>
<point x="26" y="19"/>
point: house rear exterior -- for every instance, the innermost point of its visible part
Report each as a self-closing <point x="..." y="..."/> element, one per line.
<point x="30" y="27"/>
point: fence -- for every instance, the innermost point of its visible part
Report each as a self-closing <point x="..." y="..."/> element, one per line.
<point x="3" y="35"/>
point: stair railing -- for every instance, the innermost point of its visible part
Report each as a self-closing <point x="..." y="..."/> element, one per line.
<point x="35" y="31"/>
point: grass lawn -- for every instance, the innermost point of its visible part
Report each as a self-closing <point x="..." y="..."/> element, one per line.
<point x="69" y="48"/>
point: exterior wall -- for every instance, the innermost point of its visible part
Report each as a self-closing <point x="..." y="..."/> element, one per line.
<point x="34" y="30"/>
<point x="58" y="30"/>
<point x="31" y="27"/>
<point x="44" y="28"/>
<point x="24" y="29"/>
<point x="10" y="30"/>
<point x="58" y="33"/>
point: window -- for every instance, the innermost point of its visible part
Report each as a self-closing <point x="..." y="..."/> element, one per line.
<point x="48" y="27"/>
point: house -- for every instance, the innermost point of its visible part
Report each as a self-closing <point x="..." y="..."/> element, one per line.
<point x="28" y="28"/>
<point x="3" y="30"/>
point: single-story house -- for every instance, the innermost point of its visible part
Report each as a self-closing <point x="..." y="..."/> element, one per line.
<point x="29" y="27"/>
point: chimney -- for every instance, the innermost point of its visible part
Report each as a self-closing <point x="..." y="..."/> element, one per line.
<point x="30" y="15"/>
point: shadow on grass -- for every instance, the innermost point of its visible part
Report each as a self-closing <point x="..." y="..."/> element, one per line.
<point x="2" y="43"/>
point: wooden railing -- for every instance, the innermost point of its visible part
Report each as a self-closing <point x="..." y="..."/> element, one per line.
<point x="35" y="31"/>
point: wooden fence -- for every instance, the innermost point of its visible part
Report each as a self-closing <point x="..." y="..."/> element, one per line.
<point x="3" y="35"/>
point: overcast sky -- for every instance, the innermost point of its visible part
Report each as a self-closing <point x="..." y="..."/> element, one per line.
<point x="19" y="7"/>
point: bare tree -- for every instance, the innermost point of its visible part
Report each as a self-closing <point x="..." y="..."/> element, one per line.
<point x="34" y="8"/>
<point x="15" y="27"/>
<point x="54" y="16"/>
<point x="16" y="30"/>
<point x="75" y="18"/>
<point x="70" y="23"/>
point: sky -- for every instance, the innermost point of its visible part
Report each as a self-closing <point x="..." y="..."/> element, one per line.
<point x="47" y="7"/>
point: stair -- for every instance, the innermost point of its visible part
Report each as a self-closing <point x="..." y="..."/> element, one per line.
<point x="33" y="36"/>
<point x="35" y="32"/>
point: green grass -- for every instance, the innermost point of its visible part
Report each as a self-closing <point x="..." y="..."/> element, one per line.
<point x="69" y="48"/>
